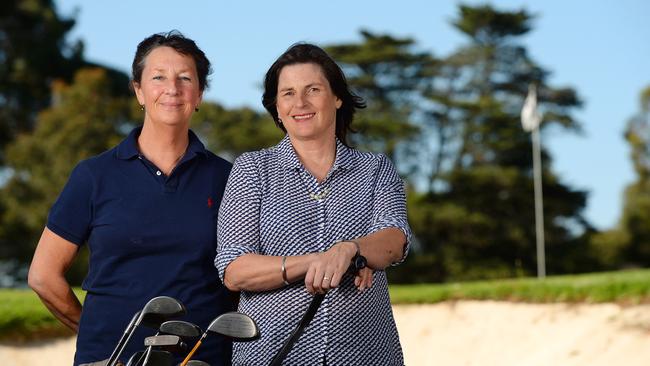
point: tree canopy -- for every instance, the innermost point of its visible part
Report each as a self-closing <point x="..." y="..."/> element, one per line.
<point x="449" y="122"/>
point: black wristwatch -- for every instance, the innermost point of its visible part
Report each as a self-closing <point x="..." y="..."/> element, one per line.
<point x="359" y="262"/>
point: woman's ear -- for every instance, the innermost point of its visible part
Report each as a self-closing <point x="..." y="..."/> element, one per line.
<point x="138" y="92"/>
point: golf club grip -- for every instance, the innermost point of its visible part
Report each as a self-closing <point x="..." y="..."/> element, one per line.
<point x="189" y="355"/>
<point x="295" y="335"/>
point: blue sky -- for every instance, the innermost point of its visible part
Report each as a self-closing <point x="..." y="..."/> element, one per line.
<point x="600" y="48"/>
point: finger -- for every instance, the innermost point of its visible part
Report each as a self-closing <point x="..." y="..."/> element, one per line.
<point x="319" y="274"/>
<point x="309" y="281"/>
<point x="368" y="279"/>
<point x="357" y="280"/>
<point x="365" y="274"/>
<point x="336" y="279"/>
<point x="327" y="282"/>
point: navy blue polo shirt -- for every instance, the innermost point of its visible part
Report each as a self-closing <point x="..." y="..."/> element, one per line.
<point x="148" y="235"/>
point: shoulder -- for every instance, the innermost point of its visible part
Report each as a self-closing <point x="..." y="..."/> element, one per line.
<point x="217" y="161"/>
<point x="371" y="160"/>
<point x="97" y="165"/>
<point x="376" y="165"/>
<point x="259" y="160"/>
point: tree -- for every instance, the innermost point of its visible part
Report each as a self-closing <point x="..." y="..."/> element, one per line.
<point x="484" y="183"/>
<point x="231" y="132"/>
<point x="472" y="211"/>
<point x="385" y="71"/>
<point x="33" y="53"/>
<point x="635" y="223"/>
<point x="85" y="119"/>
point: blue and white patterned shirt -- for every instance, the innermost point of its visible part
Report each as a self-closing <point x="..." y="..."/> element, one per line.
<point x="267" y="209"/>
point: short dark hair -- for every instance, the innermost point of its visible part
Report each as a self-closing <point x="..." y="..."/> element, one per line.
<point x="180" y="44"/>
<point x="302" y="53"/>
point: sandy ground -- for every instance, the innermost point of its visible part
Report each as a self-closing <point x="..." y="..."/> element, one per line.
<point x="473" y="333"/>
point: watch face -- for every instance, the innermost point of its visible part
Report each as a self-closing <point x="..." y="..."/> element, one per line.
<point x="360" y="262"/>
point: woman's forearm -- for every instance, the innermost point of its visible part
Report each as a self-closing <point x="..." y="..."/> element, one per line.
<point x="256" y="272"/>
<point x="60" y="300"/>
<point x="46" y="277"/>
<point x="382" y="248"/>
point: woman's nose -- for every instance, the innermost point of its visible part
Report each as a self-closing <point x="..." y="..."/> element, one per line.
<point x="172" y="87"/>
<point x="301" y="100"/>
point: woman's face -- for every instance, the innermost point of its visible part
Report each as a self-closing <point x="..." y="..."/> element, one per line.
<point x="305" y="102"/>
<point x="169" y="87"/>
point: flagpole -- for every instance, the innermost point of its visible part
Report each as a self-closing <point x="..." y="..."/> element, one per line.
<point x="530" y="121"/>
<point x="539" y="204"/>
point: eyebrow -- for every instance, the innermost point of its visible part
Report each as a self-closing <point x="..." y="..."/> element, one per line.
<point x="306" y="86"/>
<point x="163" y="69"/>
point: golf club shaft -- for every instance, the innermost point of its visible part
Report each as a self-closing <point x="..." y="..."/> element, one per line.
<point x="196" y="346"/>
<point x="306" y="319"/>
<point x="123" y="341"/>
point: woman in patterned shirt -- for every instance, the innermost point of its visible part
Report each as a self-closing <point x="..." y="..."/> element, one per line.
<point x="295" y="215"/>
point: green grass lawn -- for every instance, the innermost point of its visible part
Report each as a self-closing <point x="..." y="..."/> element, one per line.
<point x="23" y="317"/>
<point x="625" y="287"/>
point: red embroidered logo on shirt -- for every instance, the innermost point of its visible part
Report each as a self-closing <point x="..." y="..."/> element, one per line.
<point x="210" y="202"/>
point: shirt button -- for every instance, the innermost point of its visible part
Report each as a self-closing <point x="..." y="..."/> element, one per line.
<point x="158" y="173"/>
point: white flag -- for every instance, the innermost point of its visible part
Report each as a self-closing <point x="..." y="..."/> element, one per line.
<point x="530" y="117"/>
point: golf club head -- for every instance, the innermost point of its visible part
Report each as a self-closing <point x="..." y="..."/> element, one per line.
<point x="238" y="326"/>
<point x="160" y="309"/>
<point x="197" y="363"/>
<point x="162" y="340"/>
<point x="156" y="358"/>
<point x="167" y="342"/>
<point x="183" y="329"/>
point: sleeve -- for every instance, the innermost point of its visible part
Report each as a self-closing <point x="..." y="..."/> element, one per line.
<point x="238" y="223"/>
<point x="71" y="215"/>
<point x="389" y="206"/>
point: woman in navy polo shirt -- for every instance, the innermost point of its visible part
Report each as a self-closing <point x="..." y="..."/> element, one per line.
<point x="147" y="210"/>
<point x="295" y="216"/>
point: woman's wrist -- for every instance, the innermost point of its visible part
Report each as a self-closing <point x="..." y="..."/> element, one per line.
<point x="349" y="246"/>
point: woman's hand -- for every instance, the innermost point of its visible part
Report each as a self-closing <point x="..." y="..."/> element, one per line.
<point x="363" y="279"/>
<point x="328" y="268"/>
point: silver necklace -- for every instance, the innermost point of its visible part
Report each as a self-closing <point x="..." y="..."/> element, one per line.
<point x="319" y="196"/>
<point x="304" y="177"/>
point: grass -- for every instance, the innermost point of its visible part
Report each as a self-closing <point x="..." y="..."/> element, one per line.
<point x="23" y="317"/>
<point x="624" y="287"/>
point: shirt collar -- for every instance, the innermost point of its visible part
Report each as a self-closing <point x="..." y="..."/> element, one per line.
<point x="289" y="159"/>
<point x="128" y="148"/>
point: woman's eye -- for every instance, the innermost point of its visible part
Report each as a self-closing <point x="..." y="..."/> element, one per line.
<point x="157" y="77"/>
<point x="313" y="90"/>
<point x="186" y="78"/>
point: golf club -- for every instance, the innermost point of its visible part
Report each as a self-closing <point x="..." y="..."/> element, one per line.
<point x="152" y="315"/>
<point x="197" y="363"/>
<point x="238" y="326"/>
<point x="164" y="340"/>
<point x="158" y="358"/>
<point x="304" y="322"/>
<point x="358" y="263"/>
<point x="180" y="328"/>
<point x="184" y="331"/>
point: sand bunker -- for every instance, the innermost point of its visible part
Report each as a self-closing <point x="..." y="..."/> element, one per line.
<point x="478" y="333"/>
